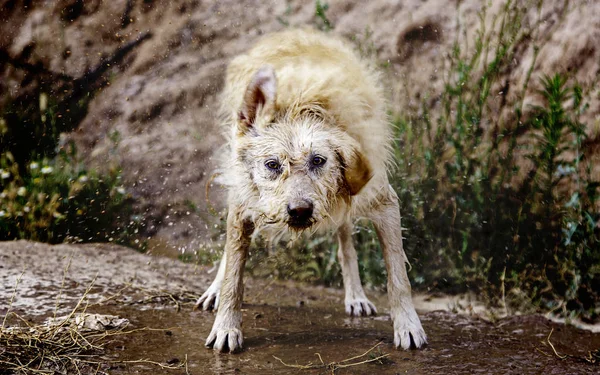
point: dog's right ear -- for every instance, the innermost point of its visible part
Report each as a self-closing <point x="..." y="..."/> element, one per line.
<point x="357" y="172"/>
<point x="356" y="168"/>
<point x="259" y="99"/>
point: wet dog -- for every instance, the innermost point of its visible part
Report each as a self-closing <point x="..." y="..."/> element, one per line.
<point x="309" y="147"/>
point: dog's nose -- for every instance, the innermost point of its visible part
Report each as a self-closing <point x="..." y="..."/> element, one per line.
<point x="300" y="211"/>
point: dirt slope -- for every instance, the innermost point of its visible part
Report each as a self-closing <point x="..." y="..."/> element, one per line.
<point x="160" y="102"/>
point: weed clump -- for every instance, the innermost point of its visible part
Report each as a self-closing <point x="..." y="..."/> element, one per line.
<point x="58" y="200"/>
<point x="46" y="194"/>
<point x="503" y="205"/>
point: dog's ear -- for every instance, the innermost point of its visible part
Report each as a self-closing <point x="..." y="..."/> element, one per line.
<point x="259" y="98"/>
<point x="357" y="171"/>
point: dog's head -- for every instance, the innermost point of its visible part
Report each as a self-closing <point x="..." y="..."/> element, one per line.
<point x="303" y="168"/>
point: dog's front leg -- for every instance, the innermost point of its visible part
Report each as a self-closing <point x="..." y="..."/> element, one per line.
<point x="407" y="326"/>
<point x="226" y="333"/>
<point x="356" y="302"/>
<point x="210" y="299"/>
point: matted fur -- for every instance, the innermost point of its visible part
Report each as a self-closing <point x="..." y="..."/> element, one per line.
<point x="308" y="148"/>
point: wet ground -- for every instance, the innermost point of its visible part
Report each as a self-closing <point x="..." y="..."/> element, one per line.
<point x="457" y="344"/>
<point x="285" y="320"/>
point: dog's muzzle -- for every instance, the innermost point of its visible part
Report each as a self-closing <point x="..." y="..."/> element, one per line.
<point x="300" y="214"/>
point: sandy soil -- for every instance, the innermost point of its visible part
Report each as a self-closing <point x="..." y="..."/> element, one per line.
<point x="284" y="320"/>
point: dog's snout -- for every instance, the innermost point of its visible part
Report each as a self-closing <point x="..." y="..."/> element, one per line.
<point x="300" y="212"/>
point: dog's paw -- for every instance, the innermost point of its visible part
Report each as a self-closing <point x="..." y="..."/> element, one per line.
<point x="209" y="300"/>
<point x="226" y="334"/>
<point x="408" y="332"/>
<point x="360" y="307"/>
<point x="225" y="339"/>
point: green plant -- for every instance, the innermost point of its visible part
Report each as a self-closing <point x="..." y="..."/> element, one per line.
<point x="46" y="194"/>
<point x="365" y="45"/>
<point x="322" y="22"/>
<point x="314" y="259"/>
<point x="481" y="218"/>
<point x="564" y="198"/>
<point x="282" y="19"/>
<point x="57" y="200"/>
<point x="305" y="259"/>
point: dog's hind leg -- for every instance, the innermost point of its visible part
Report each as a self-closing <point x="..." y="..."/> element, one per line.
<point x="210" y="299"/>
<point x="226" y="333"/>
<point x="408" y="331"/>
<point x="356" y="302"/>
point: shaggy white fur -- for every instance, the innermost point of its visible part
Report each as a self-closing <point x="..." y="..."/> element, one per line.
<point x="309" y="147"/>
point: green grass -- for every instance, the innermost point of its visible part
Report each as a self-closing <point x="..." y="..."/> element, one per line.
<point x="58" y="200"/>
<point x="479" y="220"/>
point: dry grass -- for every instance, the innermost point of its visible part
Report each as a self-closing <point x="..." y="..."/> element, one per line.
<point x="334" y="366"/>
<point x="593" y="357"/>
<point x="61" y="348"/>
<point x="62" y="345"/>
<point x="178" y="299"/>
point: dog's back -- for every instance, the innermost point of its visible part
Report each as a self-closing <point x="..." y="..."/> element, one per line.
<point x="316" y="70"/>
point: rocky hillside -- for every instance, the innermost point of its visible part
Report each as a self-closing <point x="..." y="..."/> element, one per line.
<point x="153" y="108"/>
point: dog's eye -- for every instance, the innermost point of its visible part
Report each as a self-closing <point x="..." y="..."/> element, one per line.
<point x="272" y="165"/>
<point x="318" y="161"/>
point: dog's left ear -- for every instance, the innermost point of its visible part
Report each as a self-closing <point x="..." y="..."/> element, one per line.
<point x="357" y="171"/>
<point x="259" y="98"/>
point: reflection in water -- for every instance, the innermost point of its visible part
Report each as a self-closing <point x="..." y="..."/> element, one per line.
<point x="219" y="362"/>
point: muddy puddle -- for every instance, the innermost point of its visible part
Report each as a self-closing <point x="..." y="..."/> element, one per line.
<point x="457" y="344"/>
<point x="285" y="324"/>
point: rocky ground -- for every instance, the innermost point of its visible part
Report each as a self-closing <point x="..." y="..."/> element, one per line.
<point x="282" y="321"/>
